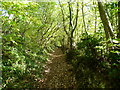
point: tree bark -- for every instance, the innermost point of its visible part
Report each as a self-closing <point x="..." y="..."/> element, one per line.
<point x="84" y="19"/>
<point x="108" y="30"/>
<point x="95" y="18"/>
<point x="118" y="35"/>
<point x="71" y="26"/>
<point x="63" y="18"/>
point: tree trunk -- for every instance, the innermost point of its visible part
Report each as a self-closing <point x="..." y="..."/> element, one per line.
<point x="71" y="26"/>
<point x="84" y="19"/>
<point x="118" y="35"/>
<point x="95" y="19"/>
<point x="108" y="30"/>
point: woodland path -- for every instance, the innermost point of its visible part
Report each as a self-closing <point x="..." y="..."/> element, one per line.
<point x="57" y="73"/>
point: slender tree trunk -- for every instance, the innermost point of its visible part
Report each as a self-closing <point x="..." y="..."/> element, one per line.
<point x="84" y="18"/>
<point x="70" y="23"/>
<point x="106" y="23"/>
<point x="118" y="35"/>
<point x="71" y="26"/>
<point x="95" y="19"/>
<point x="63" y="18"/>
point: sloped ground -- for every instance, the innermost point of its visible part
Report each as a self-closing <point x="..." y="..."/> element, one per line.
<point x="57" y="73"/>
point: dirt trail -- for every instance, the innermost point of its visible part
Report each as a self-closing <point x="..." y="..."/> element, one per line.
<point x="57" y="73"/>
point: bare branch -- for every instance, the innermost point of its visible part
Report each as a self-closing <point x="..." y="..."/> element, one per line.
<point x="76" y="17"/>
<point x="84" y="19"/>
<point x="70" y="17"/>
<point x="63" y="17"/>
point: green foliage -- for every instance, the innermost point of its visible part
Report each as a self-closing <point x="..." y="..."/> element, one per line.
<point x="95" y="65"/>
<point x="22" y="57"/>
<point x="88" y="44"/>
<point x="32" y="29"/>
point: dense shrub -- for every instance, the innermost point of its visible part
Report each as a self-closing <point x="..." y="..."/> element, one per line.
<point x="22" y="57"/>
<point x="94" y="66"/>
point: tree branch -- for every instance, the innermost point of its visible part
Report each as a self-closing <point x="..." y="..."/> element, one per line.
<point x="76" y="17"/>
<point x="63" y="18"/>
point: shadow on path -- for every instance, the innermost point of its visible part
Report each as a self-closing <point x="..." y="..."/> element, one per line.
<point x="57" y="74"/>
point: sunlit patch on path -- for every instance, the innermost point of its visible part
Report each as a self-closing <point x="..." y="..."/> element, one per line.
<point x="57" y="74"/>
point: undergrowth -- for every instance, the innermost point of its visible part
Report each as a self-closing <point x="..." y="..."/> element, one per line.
<point x="93" y="65"/>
